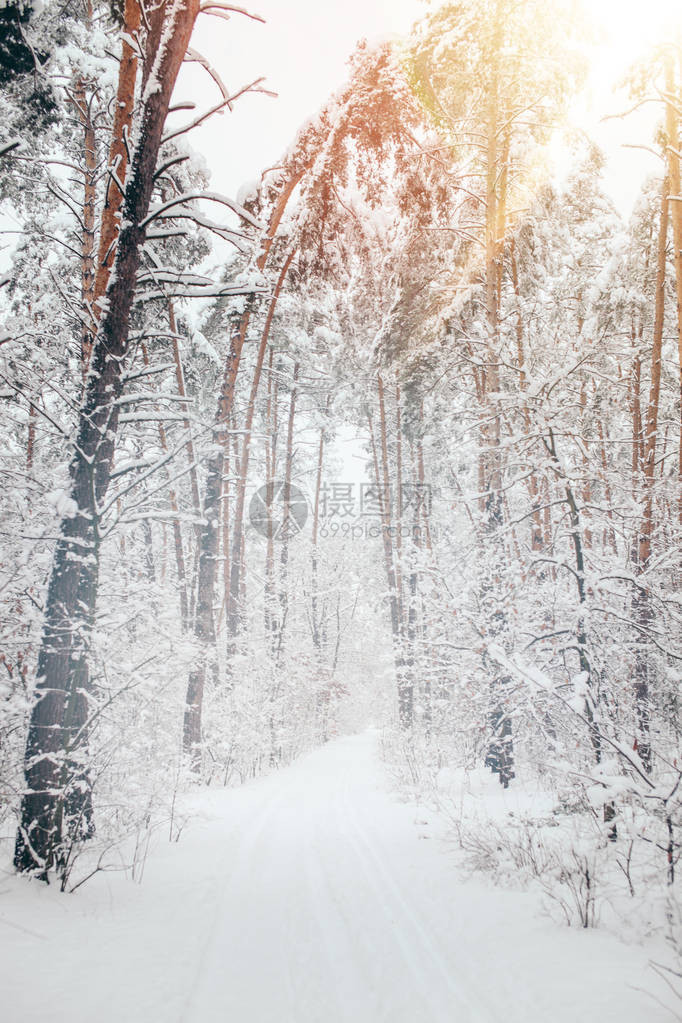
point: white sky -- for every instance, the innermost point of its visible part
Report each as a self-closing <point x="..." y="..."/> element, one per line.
<point x="629" y="29"/>
<point x="302" y="52"/>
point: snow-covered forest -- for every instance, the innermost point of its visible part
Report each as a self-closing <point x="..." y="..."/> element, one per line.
<point x="338" y="514"/>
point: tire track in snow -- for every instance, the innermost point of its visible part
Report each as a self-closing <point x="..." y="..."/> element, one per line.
<point x="311" y="989"/>
<point x="343" y="966"/>
<point x="231" y="872"/>
<point x="394" y="929"/>
<point x="412" y="935"/>
<point x="361" y="994"/>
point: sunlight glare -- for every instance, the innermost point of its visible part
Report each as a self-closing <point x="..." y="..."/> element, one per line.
<point x="635" y="24"/>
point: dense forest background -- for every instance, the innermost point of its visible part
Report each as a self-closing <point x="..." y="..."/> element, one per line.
<point x="196" y="586"/>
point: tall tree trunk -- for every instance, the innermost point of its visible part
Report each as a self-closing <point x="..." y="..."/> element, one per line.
<point x="316" y="626"/>
<point x="233" y="615"/>
<point x="381" y="471"/>
<point x="286" y="511"/>
<point x="673" y="156"/>
<point x="182" y="391"/>
<point x="121" y="142"/>
<point x="642" y="611"/>
<point x="317" y="615"/>
<point x="83" y="106"/>
<point x="500" y="751"/>
<point x="636" y="407"/>
<point x="271" y="468"/>
<point x="536" y="541"/>
<point x="177" y="528"/>
<point x="651" y="424"/>
<point x="31" y="438"/>
<point x="56" y="807"/>
<point x="399" y="504"/>
<point x="424" y="505"/>
<point x="592" y="697"/>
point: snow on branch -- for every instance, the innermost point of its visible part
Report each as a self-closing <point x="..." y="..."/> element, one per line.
<point x="148" y="468"/>
<point x="167" y="164"/>
<point x="167" y="275"/>
<point x="180" y="200"/>
<point x="153" y="396"/>
<point x="541" y="682"/>
<point x="194" y="57"/>
<point x="190" y="285"/>
<point x="220" y="10"/>
<point x="227" y="102"/>
<point x="212" y="291"/>
<point x="148" y="371"/>
<point x="237" y="238"/>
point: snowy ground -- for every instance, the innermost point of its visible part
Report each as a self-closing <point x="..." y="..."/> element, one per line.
<point x="311" y="895"/>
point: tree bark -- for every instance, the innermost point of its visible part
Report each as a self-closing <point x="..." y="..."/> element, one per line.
<point x="673" y="157"/>
<point x="404" y="681"/>
<point x="642" y="611"/>
<point x="269" y="618"/>
<point x="643" y="552"/>
<point x="89" y="322"/>
<point x="117" y="164"/>
<point x="56" y="808"/>
<point x="177" y="528"/>
<point x="286" y="495"/>
<point x="233" y="615"/>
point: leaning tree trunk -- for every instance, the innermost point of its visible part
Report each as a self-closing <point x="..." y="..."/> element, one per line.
<point x="56" y="808"/>
<point x="209" y="543"/>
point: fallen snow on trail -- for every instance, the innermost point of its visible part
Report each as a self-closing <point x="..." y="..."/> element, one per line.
<point x="311" y="895"/>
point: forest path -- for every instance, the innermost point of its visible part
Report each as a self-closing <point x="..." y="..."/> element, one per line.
<point x="310" y="895"/>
